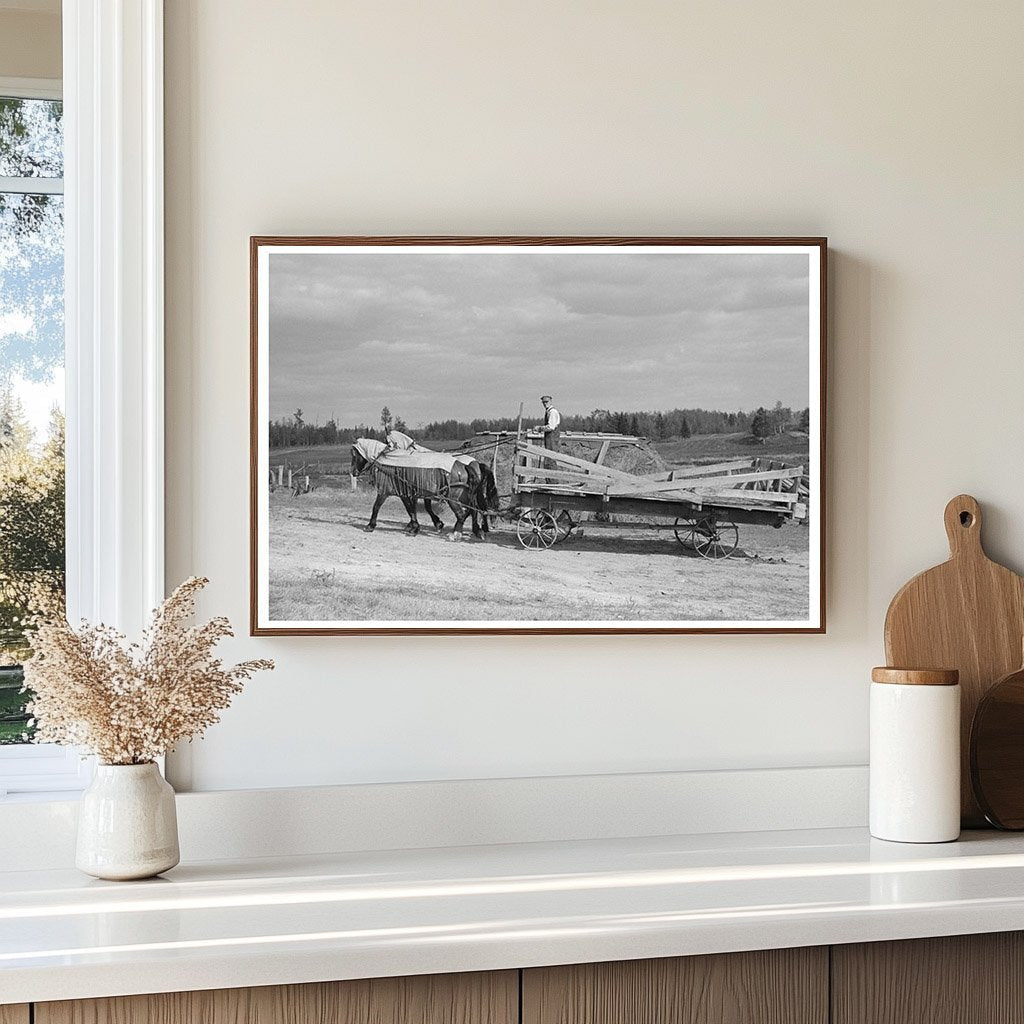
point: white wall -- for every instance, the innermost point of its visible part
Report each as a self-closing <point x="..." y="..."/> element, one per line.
<point x="30" y="41"/>
<point x="895" y="129"/>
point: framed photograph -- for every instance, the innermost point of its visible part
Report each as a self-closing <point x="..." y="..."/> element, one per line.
<point x="537" y="435"/>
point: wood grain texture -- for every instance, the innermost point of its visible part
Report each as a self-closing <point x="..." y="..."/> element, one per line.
<point x="777" y="986"/>
<point x="961" y="979"/>
<point x="915" y="676"/>
<point x="967" y="614"/>
<point x="480" y="998"/>
<point x="14" y="1014"/>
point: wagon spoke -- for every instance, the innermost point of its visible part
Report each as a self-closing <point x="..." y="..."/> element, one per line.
<point x="565" y="524"/>
<point x="528" y="532"/>
<point x="537" y="529"/>
<point x="715" y="540"/>
<point x="547" y="529"/>
<point x="683" y="530"/>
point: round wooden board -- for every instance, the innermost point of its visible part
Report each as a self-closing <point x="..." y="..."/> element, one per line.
<point x="997" y="752"/>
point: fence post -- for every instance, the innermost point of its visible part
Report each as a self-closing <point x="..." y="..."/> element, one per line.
<point x="289" y="479"/>
<point x="280" y="476"/>
<point x="355" y="483"/>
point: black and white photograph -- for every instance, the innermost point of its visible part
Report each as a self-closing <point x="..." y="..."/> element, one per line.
<point x="537" y="435"/>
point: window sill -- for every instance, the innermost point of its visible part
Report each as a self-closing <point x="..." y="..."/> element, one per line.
<point x="42" y="797"/>
<point x="43" y="771"/>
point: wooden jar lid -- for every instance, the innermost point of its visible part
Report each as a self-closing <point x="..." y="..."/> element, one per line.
<point x="916" y="676"/>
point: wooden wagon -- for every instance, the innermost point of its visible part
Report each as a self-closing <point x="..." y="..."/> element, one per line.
<point x="552" y="491"/>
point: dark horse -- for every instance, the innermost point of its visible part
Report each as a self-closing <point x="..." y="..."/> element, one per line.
<point x="460" y="486"/>
<point x="487" y="498"/>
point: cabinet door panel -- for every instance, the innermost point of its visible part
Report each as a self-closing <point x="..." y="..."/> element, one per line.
<point x="483" y="998"/>
<point x="778" y="986"/>
<point x="960" y="979"/>
<point x="14" y="1014"/>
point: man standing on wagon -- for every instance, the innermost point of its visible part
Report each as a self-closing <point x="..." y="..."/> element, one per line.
<point x="552" y="432"/>
<point x="552" y="422"/>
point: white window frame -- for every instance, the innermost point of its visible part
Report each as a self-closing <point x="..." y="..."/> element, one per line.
<point x="114" y="324"/>
<point x="37" y="767"/>
<point x="31" y="89"/>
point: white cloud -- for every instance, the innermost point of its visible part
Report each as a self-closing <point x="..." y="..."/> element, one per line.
<point x="39" y="400"/>
<point x="15" y="321"/>
<point x="470" y="335"/>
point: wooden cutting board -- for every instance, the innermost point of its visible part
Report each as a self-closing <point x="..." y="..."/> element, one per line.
<point x="967" y="614"/>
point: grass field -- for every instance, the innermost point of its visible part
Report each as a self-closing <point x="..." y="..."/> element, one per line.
<point x="705" y="448"/>
<point x="328" y="465"/>
<point x="323" y="567"/>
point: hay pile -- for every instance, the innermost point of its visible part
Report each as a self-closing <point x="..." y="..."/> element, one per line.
<point x="623" y="456"/>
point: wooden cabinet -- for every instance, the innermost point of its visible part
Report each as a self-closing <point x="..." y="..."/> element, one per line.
<point x="968" y="979"/>
<point x="962" y="979"/>
<point x="491" y="998"/>
<point x="778" y="986"/>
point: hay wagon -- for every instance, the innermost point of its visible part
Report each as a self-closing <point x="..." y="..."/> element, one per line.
<point x="553" y="491"/>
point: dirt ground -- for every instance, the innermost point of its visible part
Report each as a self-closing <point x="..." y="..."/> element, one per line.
<point x="324" y="567"/>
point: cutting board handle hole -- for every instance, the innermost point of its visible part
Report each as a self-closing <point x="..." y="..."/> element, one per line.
<point x="962" y="517"/>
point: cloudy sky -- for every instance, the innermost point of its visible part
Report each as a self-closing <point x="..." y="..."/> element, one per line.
<point x="441" y="336"/>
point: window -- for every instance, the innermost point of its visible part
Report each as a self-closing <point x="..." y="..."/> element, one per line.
<point x="112" y="212"/>
<point x="32" y="530"/>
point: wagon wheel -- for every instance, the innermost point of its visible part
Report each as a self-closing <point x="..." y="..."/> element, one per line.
<point x="537" y="529"/>
<point x="565" y="524"/>
<point x="715" y="539"/>
<point x="683" y="529"/>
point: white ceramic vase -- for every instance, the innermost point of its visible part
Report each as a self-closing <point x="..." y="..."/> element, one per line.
<point x="127" y="825"/>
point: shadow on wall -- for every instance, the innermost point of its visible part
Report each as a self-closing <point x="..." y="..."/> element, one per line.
<point x="853" y="291"/>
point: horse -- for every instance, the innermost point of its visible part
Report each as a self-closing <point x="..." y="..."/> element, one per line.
<point x="448" y="479"/>
<point x="487" y="497"/>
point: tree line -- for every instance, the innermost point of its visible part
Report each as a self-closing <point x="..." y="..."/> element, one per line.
<point x="294" y="431"/>
<point x="31" y="541"/>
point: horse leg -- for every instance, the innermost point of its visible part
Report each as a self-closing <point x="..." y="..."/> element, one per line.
<point x="460" y="518"/>
<point x="460" y="496"/>
<point x="414" y="525"/>
<point x="435" y="519"/>
<point x="483" y="499"/>
<point x="377" y="502"/>
<point x="478" y="512"/>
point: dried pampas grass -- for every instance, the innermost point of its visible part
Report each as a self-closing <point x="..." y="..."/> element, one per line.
<point x="129" y="703"/>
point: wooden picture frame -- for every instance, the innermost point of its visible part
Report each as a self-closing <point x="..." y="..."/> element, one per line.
<point x="456" y="327"/>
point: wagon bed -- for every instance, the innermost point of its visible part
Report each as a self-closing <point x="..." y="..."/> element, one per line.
<point x="705" y="503"/>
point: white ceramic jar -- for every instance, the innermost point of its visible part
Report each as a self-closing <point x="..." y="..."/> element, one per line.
<point x="127" y="823"/>
<point x="915" y="755"/>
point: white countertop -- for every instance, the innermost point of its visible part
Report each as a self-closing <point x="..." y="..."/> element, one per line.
<point x="226" y="924"/>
